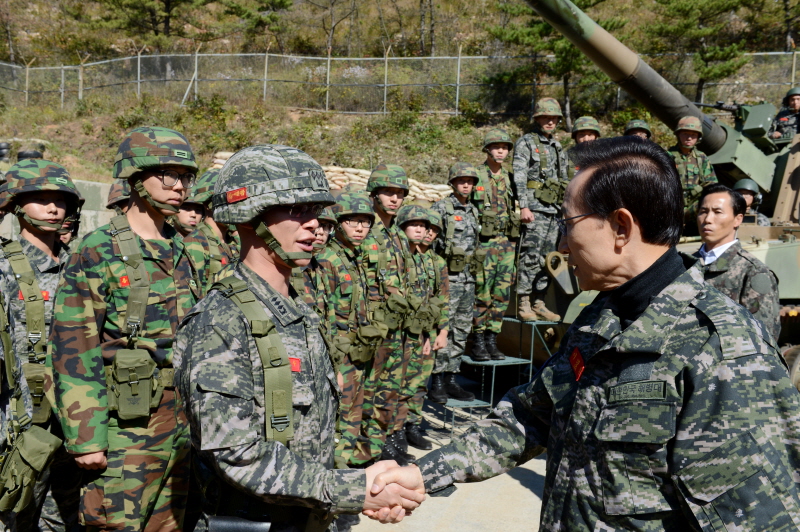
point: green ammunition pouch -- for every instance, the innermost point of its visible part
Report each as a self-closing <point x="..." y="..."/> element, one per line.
<point x="549" y="192"/>
<point x="435" y="304"/>
<point x="489" y="224"/>
<point x="417" y="321"/>
<point x="457" y="260"/>
<point x="22" y="465"/>
<point x="36" y="375"/>
<point x="131" y="384"/>
<point x="478" y="260"/>
<point x="360" y="345"/>
<point x="514" y="224"/>
<point x="393" y="311"/>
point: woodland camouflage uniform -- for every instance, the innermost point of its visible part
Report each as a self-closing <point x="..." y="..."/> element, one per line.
<point x="695" y="172"/>
<point x="147" y="475"/>
<point x="748" y="281"/>
<point x="684" y="420"/>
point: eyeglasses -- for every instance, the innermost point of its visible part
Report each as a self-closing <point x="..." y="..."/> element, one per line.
<point x="351" y="222"/>
<point x="306" y="210"/>
<point x="562" y="222"/>
<point x="170" y="178"/>
<point x="325" y="228"/>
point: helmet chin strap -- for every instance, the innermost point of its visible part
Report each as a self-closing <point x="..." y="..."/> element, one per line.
<point x="265" y="234"/>
<point x="139" y="186"/>
<point x="343" y="234"/>
<point x="36" y="223"/>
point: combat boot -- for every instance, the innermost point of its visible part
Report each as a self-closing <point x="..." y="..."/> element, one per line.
<point x="390" y="452"/>
<point x="400" y="443"/>
<point x="437" y="393"/>
<point x="454" y="391"/>
<point x="525" y="312"/>
<point x="491" y="346"/>
<point x="479" y="352"/>
<point x="543" y="313"/>
<point x="416" y="439"/>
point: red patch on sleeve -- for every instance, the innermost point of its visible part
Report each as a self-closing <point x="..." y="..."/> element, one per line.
<point x="224" y="261"/>
<point x="124" y="281"/>
<point x="46" y="295"/>
<point x="537" y="150"/>
<point x="308" y="290"/>
<point x="784" y="119"/>
<point x="375" y="247"/>
<point x="458" y="218"/>
<point x="294" y="363"/>
<point x="347" y="277"/>
<point x="239" y="194"/>
<point x="21" y="297"/>
<point x="576" y="361"/>
<point x="479" y="189"/>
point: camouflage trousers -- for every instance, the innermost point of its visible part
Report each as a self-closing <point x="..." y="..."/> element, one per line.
<point x="145" y="486"/>
<point x="415" y="386"/>
<point x="462" y="298"/>
<point x="493" y="285"/>
<point x="351" y="405"/>
<point x="539" y="238"/>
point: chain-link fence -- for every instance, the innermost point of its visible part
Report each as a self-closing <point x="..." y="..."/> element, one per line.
<point x="368" y="85"/>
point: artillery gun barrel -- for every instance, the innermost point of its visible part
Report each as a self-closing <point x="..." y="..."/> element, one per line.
<point x="627" y="69"/>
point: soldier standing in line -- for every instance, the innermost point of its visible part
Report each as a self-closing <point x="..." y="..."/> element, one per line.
<point x="117" y="309"/>
<point x="586" y="129"/>
<point x="190" y="215"/>
<point x="210" y="246"/>
<point x="493" y="195"/>
<point x="729" y="268"/>
<point x="42" y="196"/>
<point x="638" y="128"/>
<point x="694" y="168"/>
<point x="257" y="380"/>
<point x="540" y="175"/>
<point x="119" y="196"/>
<point x="784" y="125"/>
<point x="752" y="196"/>
<point x="457" y="244"/>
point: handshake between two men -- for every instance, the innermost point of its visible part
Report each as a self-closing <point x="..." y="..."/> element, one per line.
<point x="392" y="491"/>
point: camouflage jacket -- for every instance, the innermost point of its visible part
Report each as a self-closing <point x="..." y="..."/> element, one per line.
<point x="393" y="245"/>
<point x="90" y="318"/>
<point x="695" y="172"/>
<point x="465" y="229"/>
<point x="748" y="281"/>
<point x="221" y="381"/>
<point x="786" y="123"/>
<point x="310" y="284"/>
<point x="528" y="168"/>
<point x="438" y="284"/>
<point x="47" y="273"/>
<point x="346" y="286"/>
<point x="7" y="392"/>
<point x="495" y="194"/>
<point x="686" y="420"/>
<point x="208" y="252"/>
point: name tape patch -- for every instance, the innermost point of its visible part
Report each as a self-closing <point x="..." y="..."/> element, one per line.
<point x="294" y="363"/>
<point x="638" y="391"/>
<point x="576" y="361"/>
<point x="240" y="194"/>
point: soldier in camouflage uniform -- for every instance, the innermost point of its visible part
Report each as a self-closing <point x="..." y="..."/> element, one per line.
<point x="667" y="406"/>
<point x="726" y="266"/>
<point x="257" y="380"/>
<point x="586" y="129"/>
<point x="42" y="195"/>
<point x="693" y="166"/>
<point x="117" y="309"/>
<point x="784" y="126"/>
<point x="210" y="245"/>
<point x="457" y="244"/>
<point x="119" y="195"/>
<point x="190" y="214"/>
<point x="752" y="196"/>
<point x="540" y="175"/>
<point x="499" y="230"/>
<point x="638" y="128"/>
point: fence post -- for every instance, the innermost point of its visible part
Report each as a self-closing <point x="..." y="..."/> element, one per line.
<point x="27" y="69"/>
<point x="80" y="75"/>
<point x="458" y="78"/>
<point x="386" y="77"/>
<point x="62" y="86"/>
<point x="328" y="82"/>
<point x="139" y="74"/>
<point x="196" y="52"/>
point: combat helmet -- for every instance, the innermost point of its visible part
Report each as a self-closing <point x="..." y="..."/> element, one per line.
<point x="586" y="123"/>
<point x="752" y="186"/>
<point x="203" y="189"/>
<point x="145" y="148"/>
<point x="637" y="124"/>
<point x="259" y="177"/>
<point x="547" y="107"/>
<point x="120" y="192"/>
<point x="325" y="216"/>
<point x="387" y="175"/>
<point x="37" y="175"/>
<point x="435" y="220"/>
<point x="412" y="213"/>
<point x="690" y="123"/>
<point x="348" y="204"/>
<point x="497" y="136"/>
<point x="794" y="91"/>
<point x="462" y="170"/>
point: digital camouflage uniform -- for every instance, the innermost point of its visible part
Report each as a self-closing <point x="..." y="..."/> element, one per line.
<point x="145" y="484"/>
<point x="684" y="420"/>
<point x="785" y="123"/>
<point x="464" y="221"/>
<point x="250" y="466"/>
<point x="748" y="281"/>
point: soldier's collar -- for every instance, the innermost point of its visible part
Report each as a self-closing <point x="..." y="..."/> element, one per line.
<point x="282" y="309"/>
<point x="38" y="258"/>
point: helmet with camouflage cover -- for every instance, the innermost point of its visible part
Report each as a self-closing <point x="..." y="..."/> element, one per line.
<point x="462" y="170"/>
<point x="325" y="216"/>
<point x="586" y="123"/>
<point x="203" y="189"/>
<point x="690" y="123"/>
<point x="350" y="204"/>
<point x="412" y="213"/>
<point x="637" y="124"/>
<point x="269" y="175"/>
<point x="387" y="175"/>
<point x="547" y="107"/>
<point x="39" y="175"/>
<point x="435" y="219"/>
<point x="146" y="148"/>
<point x="497" y="136"/>
<point x="120" y="192"/>
<point x="794" y="91"/>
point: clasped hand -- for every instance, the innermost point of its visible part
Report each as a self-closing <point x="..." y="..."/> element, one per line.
<point x="392" y="491"/>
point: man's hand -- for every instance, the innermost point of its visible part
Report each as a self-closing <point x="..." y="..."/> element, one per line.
<point x="525" y="215"/>
<point x="96" y="460"/>
<point x="426" y="347"/>
<point x="776" y="134"/>
<point x="409" y="479"/>
<point x="441" y="340"/>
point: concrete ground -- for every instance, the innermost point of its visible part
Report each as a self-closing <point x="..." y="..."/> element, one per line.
<point x="509" y="502"/>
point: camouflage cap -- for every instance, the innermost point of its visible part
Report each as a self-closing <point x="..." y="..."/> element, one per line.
<point x="690" y="123"/>
<point x="637" y="124"/>
<point x="747" y="184"/>
<point x="547" y="107"/>
<point x="203" y="189"/>
<point x="152" y="147"/>
<point x="435" y="219"/>
<point x="411" y="213"/>
<point x="259" y="177"/>
<point x="36" y="175"/>
<point x="463" y="170"/>
<point x="387" y="175"/>
<point x="351" y="203"/>
<point x="120" y="191"/>
<point x="497" y="136"/>
<point x="586" y="123"/>
<point x="794" y="91"/>
<point x="327" y="215"/>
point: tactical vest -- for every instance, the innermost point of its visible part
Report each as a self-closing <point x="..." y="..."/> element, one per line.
<point x="392" y="309"/>
<point x="489" y="226"/>
<point x="550" y="190"/>
<point x="216" y="260"/>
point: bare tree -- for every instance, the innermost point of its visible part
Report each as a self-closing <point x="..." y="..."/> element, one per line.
<point x="335" y="12"/>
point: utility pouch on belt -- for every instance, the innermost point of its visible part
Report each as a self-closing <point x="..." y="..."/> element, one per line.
<point x="457" y="260"/>
<point x="360" y="345"/>
<point x="415" y="321"/>
<point x="35" y="375"/>
<point x="478" y="258"/>
<point x="513" y="227"/>
<point x="22" y="466"/>
<point x="547" y="192"/>
<point x="488" y="224"/>
<point x="131" y="384"/>
<point x="394" y="311"/>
